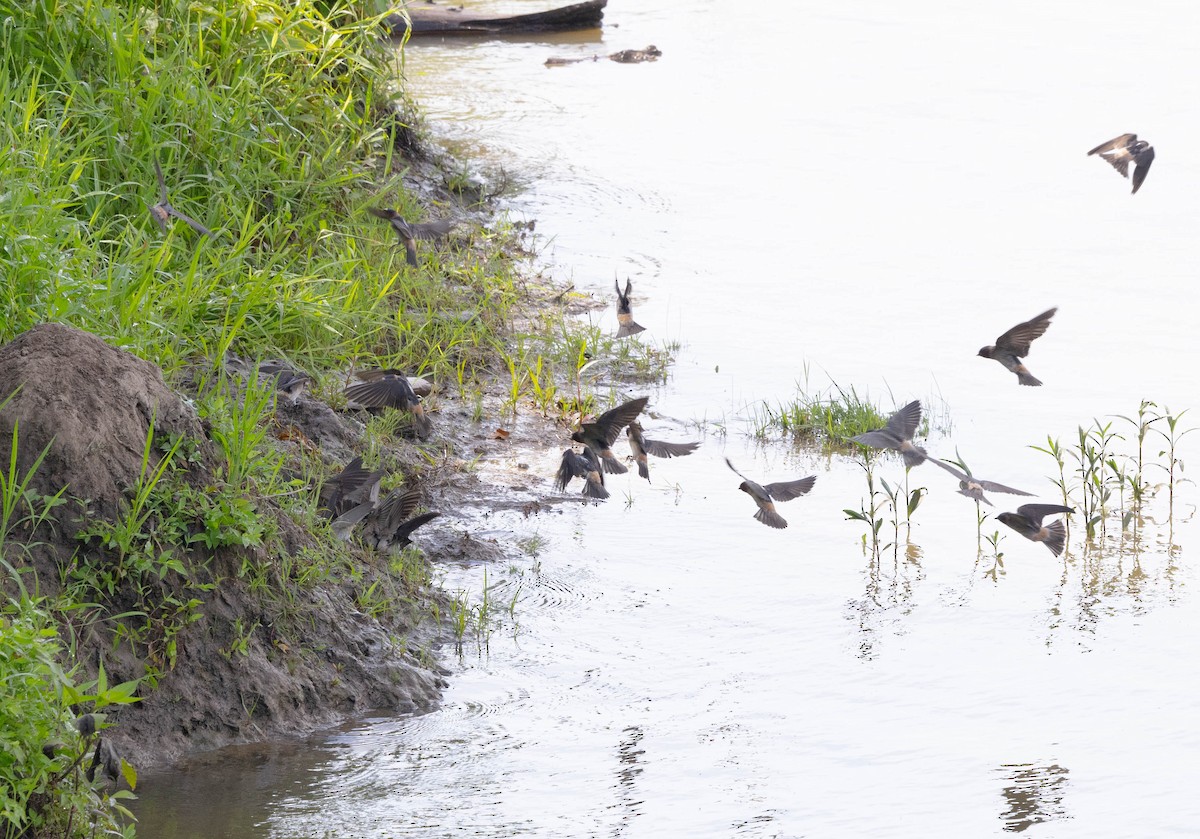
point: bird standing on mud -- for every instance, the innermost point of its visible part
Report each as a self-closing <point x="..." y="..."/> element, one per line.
<point x="1013" y="345"/>
<point x="162" y="212"/>
<point x="973" y="487"/>
<point x="1126" y="149"/>
<point x="1027" y="521"/>
<point x="766" y="496"/>
<point x="352" y="486"/>
<point x="642" y="447"/>
<point x="586" y="466"/>
<point x="288" y="380"/>
<point x="600" y="434"/>
<point x="897" y="435"/>
<point x="410" y="232"/>
<point x="625" y="311"/>
<point x="390" y="388"/>
<point x="390" y="528"/>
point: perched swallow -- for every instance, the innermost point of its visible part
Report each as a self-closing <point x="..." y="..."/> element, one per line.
<point x="409" y="232"/>
<point x="973" y="487"/>
<point x="766" y="496"/>
<point x="1120" y="151"/>
<point x="353" y="486"/>
<point x="163" y="211"/>
<point x="602" y="433"/>
<point x="288" y="380"/>
<point x="642" y="447"/>
<point x="1027" y="521"/>
<point x="391" y="528"/>
<point x="390" y="389"/>
<point x="625" y="311"/>
<point x="1013" y="345"/>
<point x="586" y="466"/>
<point x="897" y="435"/>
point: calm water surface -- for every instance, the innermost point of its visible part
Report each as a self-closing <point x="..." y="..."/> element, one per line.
<point x="862" y="194"/>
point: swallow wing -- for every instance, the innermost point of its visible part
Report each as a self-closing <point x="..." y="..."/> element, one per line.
<point x="572" y="466"/>
<point x="431" y="231"/>
<point x="162" y="183"/>
<point x="1037" y="512"/>
<point x="962" y="476"/>
<point x="610" y="424"/>
<point x="1115" y="143"/>
<point x="880" y="438"/>
<point x="992" y="486"/>
<point x="1018" y="339"/>
<point x="388" y="391"/>
<point x="344" y="524"/>
<point x="903" y="424"/>
<point x="190" y="222"/>
<point x="787" y="490"/>
<point x="1143" y="167"/>
<point x="658" y="448"/>
<point x="729" y="463"/>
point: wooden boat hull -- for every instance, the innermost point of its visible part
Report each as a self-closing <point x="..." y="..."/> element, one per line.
<point x="428" y="19"/>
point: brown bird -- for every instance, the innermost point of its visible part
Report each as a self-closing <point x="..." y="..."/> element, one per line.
<point x="600" y="434"/>
<point x="766" y="496"/>
<point x="642" y="447"/>
<point x="391" y="527"/>
<point x="1027" y="521"/>
<point x="288" y="380"/>
<point x="1013" y="345"/>
<point x="353" y="486"/>
<point x="586" y="466"/>
<point x="162" y="212"/>
<point x="897" y="435"/>
<point x="625" y="311"/>
<point x="1126" y="149"/>
<point x="409" y="232"/>
<point x="390" y="388"/>
<point x="973" y="487"/>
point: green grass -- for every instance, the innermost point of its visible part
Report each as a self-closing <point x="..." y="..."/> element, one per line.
<point x="823" y="418"/>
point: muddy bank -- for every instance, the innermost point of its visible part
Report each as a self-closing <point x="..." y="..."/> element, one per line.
<point x="257" y="656"/>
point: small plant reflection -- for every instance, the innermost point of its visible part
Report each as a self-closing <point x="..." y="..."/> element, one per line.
<point x="629" y="757"/>
<point x="1033" y="794"/>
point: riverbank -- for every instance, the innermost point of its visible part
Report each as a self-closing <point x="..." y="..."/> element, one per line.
<point x="163" y="511"/>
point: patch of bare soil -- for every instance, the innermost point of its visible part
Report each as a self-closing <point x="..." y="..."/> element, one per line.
<point x="254" y="664"/>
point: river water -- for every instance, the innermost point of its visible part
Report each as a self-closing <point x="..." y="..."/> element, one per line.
<point x="807" y="194"/>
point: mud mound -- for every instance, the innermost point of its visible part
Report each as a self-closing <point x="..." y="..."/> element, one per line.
<point x="93" y="406"/>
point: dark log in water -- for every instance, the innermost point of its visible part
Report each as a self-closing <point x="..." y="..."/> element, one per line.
<point x="428" y="19"/>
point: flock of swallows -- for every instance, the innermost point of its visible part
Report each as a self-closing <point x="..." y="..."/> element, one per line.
<point x="351" y="498"/>
<point x="1010" y="348"/>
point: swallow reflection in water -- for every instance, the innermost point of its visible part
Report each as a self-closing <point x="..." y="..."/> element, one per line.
<point x="1027" y="521"/>
<point x="766" y="496"/>
<point x="973" y="487"/>
<point x="625" y="311"/>
<point x="600" y="434"/>
<point x="1013" y="345"/>
<point x="897" y="435"/>
<point x="162" y="212"/>
<point x="642" y="447"/>
<point x="1126" y="149"/>
<point x="586" y="466"/>
<point x="390" y="388"/>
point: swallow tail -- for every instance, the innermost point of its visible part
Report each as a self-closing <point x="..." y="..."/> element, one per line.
<point x="594" y="488"/>
<point x="770" y="518"/>
<point x="404" y="532"/>
<point x="913" y="456"/>
<point x="612" y="465"/>
<point x="629" y="328"/>
<point x="410" y="252"/>
<point x="1027" y="378"/>
<point x="643" y="468"/>
<point x="1056" y="537"/>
